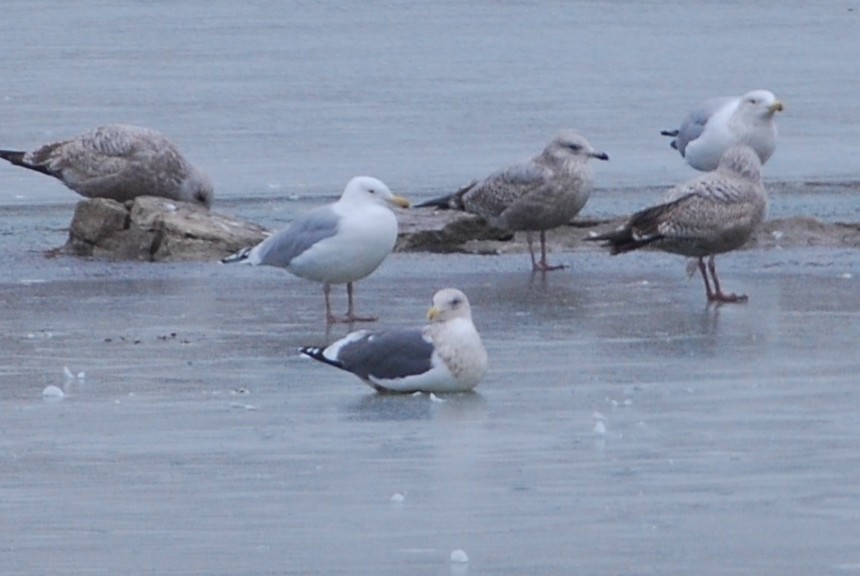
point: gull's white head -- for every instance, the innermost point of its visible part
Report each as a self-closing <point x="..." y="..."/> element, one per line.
<point x="449" y="303"/>
<point x="364" y="189"/>
<point x="760" y="103"/>
<point x="197" y="188"/>
<point x="571" y="143"/>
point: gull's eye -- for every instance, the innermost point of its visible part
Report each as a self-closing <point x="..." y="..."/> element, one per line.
<point x="456" y="302"/>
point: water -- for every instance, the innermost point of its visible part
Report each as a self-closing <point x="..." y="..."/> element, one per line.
<point x="199" y="442"/>
<point x="731" y="433"/>
<point x="276" y="98"/>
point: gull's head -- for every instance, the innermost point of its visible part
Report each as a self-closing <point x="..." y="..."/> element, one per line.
<point x="449" y="303"/>
<point x="741" y="160"/>
<point x="368" y="189"/>
<point x="197" y="188"/>
<point x="761" y="102"/>
<point x="571" y="143"/>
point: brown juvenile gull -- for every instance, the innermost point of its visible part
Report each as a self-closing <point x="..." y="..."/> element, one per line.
<point x="714" y="213"/>
<point x="718" y="123"/>
<point x="446" y="355"/>
<point x="339" y="243"/>
<point x="543" y="193"/>
<point x="120" y="162"/>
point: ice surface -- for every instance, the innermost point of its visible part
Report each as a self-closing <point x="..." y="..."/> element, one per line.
<point x="459" y="556"/>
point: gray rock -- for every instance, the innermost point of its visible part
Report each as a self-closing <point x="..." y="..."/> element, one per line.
<point x="443" y="231"/>
<point x="156" y="230"/>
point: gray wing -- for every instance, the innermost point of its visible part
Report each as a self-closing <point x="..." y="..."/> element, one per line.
<point x="695" y="122"/>
<point x="280" y="248"/>
<point x="712" y="216"/>
<point x="114" y="161"/>
<point x="387" y="355"/>
<point x="499" y="190"/>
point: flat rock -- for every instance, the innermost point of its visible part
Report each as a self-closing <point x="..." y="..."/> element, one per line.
<point x="155" y="230"/>
<point x="449" y="231"/>
<point x="160" y="230"/>
<point x="443" y="231"/>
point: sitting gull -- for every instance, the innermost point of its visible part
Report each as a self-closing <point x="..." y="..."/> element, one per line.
<point x="339" y="243"/>
<point x="119" y="162"/>
<point x="444" y="356"/>
<point x="718" y="123"/>
<point x="714" y="213"/>
<point x="543" y="193"/>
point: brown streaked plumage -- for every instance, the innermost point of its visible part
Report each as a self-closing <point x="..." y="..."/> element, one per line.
<point x="120" y="162"/>
<point x="543" y="193"/>
<point x="714" y="213"/>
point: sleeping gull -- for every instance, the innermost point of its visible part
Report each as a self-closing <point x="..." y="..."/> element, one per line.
<point x="120" y="162"/>
<point x="714" y="213"/>
<point x="446" y="355"/>
<point x="543" y="193"/>
<point x="718" y="123"/>
<point x="339" y="243"/>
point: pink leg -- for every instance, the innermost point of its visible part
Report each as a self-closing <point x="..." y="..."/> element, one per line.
<point x="718" y="295"/>
<point x="543" y="265"/>
<point x="329" y="317"/>
<point x="704" y="270"/>
<point x="350" y="310"/>
<point x="530" y="242"/>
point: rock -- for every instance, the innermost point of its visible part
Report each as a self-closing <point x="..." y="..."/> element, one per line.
<point x="156" y="230"/>
<point x="450" y="231"/>
<point x="805" y="231"/>
<point x="443" y="231"/>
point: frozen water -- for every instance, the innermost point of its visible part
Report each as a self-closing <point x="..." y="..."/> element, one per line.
<point x="733" y="445"/>
<point x="53" y="392"/>
<point x="459" y="556"/>
<point x="735" y="454"/>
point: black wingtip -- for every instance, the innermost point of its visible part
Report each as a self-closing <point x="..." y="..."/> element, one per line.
<point x="618" y="241"/>
<point x="442" y="202"/>
<point x="17" y="158"/>
<point x="237" y="257"/>
<point x="669" y="133"/>
<point x="318" y="354"/>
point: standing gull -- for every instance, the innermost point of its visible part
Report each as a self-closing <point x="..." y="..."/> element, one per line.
<point x="339" y="243"/>
<point x="543" y="193"/>
<point x="120" y="162"/>
<point x="718" y="123"/>
<point x="446" y="355"/>
<point x="714" y="213"/>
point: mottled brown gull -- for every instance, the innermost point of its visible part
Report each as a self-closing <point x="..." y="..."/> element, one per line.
<point x="339" y="243"/>
<point x="120" y="162"/>
<point x="714" y="213"/>
<point x="718" y="123"/>
<point x="446" y="355"/>
<point x="535" y="196"/>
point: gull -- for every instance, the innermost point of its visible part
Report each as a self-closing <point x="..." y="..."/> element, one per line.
<point x="446" y="355"/>
<point x="339" y="243"/>
<point x="120" y="162"/>
<point x="543" y="193"/>
<point x="718" y="123"/>
<point x="714" y="213"/>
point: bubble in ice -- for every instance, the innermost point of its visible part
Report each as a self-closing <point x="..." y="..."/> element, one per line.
<point x="53" y="392"/>
<point x="71" y="375"/>
<point x="599" y="425"/>
<point x="458" y="556"/>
